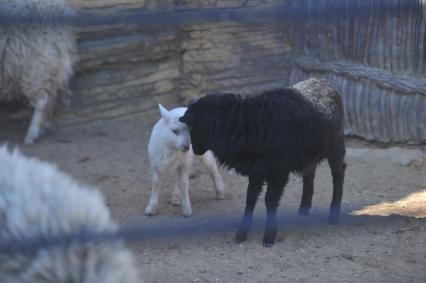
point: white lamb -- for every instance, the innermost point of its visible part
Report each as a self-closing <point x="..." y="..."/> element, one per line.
<point x="169" y="149"/>
<point x="36" y="200"/>
<point x="36" y="58"/>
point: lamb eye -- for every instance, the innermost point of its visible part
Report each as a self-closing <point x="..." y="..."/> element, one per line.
<point x="176" y="132"/>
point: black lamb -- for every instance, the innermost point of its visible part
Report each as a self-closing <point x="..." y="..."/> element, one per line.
<point x="265" y="137"/>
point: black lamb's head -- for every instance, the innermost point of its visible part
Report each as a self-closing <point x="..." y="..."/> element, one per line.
<point x="193" y="119"/>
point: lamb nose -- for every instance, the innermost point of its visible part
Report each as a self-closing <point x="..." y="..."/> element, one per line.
<point x="185" y="148"/>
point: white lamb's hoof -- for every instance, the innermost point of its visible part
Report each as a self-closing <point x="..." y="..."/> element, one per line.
<point x="175" y="200"/>
<point x="220" y="195"/>
<point x="187" y="213"/>
<point x="29" y="140"/>
<point x="150" y="211"/>
<point x="31" y="137"/>
<point x="220" y="189"/>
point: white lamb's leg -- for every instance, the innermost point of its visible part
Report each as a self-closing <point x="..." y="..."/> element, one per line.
<point x="41" y="106"/>
<point x="151" y="209"/>
<point x="176" y="198"/>
<point x="182" y="183"/>
<point x="210" y="162"/>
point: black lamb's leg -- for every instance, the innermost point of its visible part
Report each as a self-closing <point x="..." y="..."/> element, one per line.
<point x="308" y="190"/>
<point x="253" y="190"/>
<point x="337" y="166"/>
<point x="272" y="198"/>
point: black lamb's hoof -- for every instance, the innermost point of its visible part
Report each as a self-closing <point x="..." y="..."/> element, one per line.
<point x="303" y="211"/>
<point x="333" y="219"/>
<point x="269" y="240"/>
<point x="240" y="238"/>
<point x="268" y="243"/>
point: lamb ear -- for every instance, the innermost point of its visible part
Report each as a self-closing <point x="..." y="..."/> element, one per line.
<point x="183" y="119"/>
<point x="192" y="101"/>
<point x="164" y="113"/>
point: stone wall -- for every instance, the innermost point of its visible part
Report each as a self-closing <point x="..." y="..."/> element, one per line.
<point x="233" y="57"/>
<point x="126" y="69"/>
<point x="123" y="70"/>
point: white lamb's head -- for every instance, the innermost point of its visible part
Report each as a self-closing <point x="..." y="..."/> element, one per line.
<point x="175" y="132"/>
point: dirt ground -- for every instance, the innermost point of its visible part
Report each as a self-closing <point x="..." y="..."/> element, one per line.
<point x="381" y="238"/>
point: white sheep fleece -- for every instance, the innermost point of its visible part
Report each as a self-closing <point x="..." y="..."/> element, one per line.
<point x="36" y="199"/>
<point x="36" y="60"/>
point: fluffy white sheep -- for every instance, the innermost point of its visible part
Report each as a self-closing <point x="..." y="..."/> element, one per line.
<point x="36" y="60"/>
<point x="36" y="200"/>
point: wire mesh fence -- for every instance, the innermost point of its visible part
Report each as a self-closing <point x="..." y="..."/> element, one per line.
<point x="246" y="15"/>
<point x="138" y="233"/>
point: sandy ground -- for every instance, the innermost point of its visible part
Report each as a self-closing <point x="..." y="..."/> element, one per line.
<point x="381" y="238"/>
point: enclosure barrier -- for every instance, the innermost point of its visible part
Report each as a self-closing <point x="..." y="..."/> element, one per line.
<point x="373" y="52"/>
<point x="139" y="234"/>
<point x="278" y="12"/>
